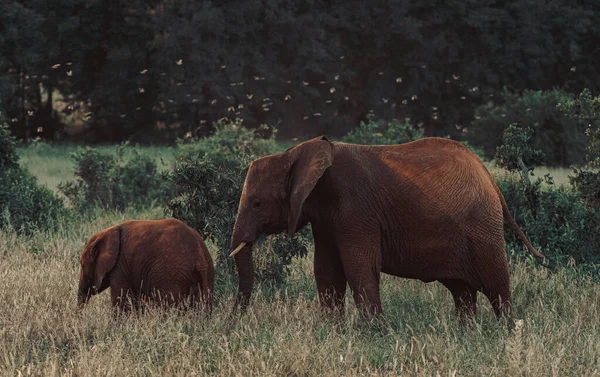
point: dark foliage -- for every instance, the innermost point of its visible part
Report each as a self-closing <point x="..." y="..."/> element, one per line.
<point x="587" y="184"/>
<point x="586" y="110"/>
<point x="8" y="153"/>
<point x="558" y="136"/>
<point x="318" y="68"/>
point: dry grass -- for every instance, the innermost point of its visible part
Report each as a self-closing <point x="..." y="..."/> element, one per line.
<point x="42" y="332"/>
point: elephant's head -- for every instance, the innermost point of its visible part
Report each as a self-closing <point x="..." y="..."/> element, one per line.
<point x="97" y="260"/>
<point x="274" y="192"/>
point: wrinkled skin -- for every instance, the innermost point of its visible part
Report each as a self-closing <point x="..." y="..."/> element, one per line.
<point x="142" y="261"/>
<point x="425" y="210"/>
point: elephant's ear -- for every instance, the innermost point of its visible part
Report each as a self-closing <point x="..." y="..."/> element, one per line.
<point x="103" y="253"/>
<point x="309" y="162"/>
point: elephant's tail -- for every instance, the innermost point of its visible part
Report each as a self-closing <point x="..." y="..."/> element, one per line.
<point x="513" y="224"/>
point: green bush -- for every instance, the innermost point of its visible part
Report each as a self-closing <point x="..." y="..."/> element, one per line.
<point x="207" y="180"/>
<point x="555" y="218"/>
<point x="559" y="136"/>
<point x="206" y="195"/>
<point x="516" y="150"/>
<point x="379" y="132"/>
<point x="587" y="184"/>
<point x="586" y="110"/>
<point x="558" y="220"/>
<point x="112" y="181"/>
<point x="516" y="154"/>
<point x="24" y="205"/>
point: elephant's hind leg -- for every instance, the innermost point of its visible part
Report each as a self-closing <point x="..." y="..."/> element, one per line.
<point x="501" y="301"/>
<point x="496" y="285"/>
<point x="465" y="300"/>
<point x="492" y="268"/>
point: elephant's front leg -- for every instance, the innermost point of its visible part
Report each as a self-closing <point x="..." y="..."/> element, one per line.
<point x="330" y="277"/>
<point x="122" y="297"/>
<point x="362" y="265"/>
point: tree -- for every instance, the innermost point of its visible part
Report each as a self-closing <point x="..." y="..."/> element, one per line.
<point x="311" y="68"/>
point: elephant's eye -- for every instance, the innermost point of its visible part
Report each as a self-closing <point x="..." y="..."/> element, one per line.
<point x="256" y="204"/>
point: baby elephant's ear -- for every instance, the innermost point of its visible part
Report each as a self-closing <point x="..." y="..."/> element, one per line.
<point x="310" y="161"/>
<point x="106" y="250"/>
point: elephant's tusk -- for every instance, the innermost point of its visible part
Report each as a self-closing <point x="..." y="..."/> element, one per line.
<point x="237" y="250"/>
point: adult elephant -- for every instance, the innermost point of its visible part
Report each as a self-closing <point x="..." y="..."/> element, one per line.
<point x="427" y="210"/>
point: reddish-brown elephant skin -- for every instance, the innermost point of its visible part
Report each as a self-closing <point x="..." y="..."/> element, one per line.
<point x="427" y="210"/>
<point x="162" y="262"/>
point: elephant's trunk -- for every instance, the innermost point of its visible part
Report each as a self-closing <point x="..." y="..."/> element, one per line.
<point x="245" y="269"/>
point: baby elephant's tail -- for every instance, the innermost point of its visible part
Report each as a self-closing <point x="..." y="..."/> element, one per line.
<point x="511" y="221"/>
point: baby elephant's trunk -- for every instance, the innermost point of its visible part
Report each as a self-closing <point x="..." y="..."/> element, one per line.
<point x="83" y="295"/>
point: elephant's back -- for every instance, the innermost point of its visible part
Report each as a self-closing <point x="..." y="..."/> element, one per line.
<point x="172" y="235"/>
<point x="167" y="245"/>
<point x="445" y="175"/>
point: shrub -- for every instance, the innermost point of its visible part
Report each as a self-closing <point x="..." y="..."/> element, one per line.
<point x="587" y="184"/>
<point x="558" y="220"/>
<point x="383" y="132"/>
<point x="555" y="218"/>
<point x="24" y="205"/>
<point x="558" y="135"/>
<point x="111" y="181"/>
<point x="586" y="110"/>
<point x="206" y="195"/>
<point x="207" y="180"/>
<point x="516" y="154"/>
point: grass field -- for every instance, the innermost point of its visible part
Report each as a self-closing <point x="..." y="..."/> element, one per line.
<point x="53" y="164"/>
<point x="42" y="332"/>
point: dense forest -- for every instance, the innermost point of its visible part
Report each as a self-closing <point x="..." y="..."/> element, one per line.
<point x="150" y="70"/>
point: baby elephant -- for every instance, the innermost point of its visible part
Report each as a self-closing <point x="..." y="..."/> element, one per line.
<point x="163" y="261"/>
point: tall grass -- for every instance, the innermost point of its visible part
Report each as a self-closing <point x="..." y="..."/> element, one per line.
<point x="43" y="333"/>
